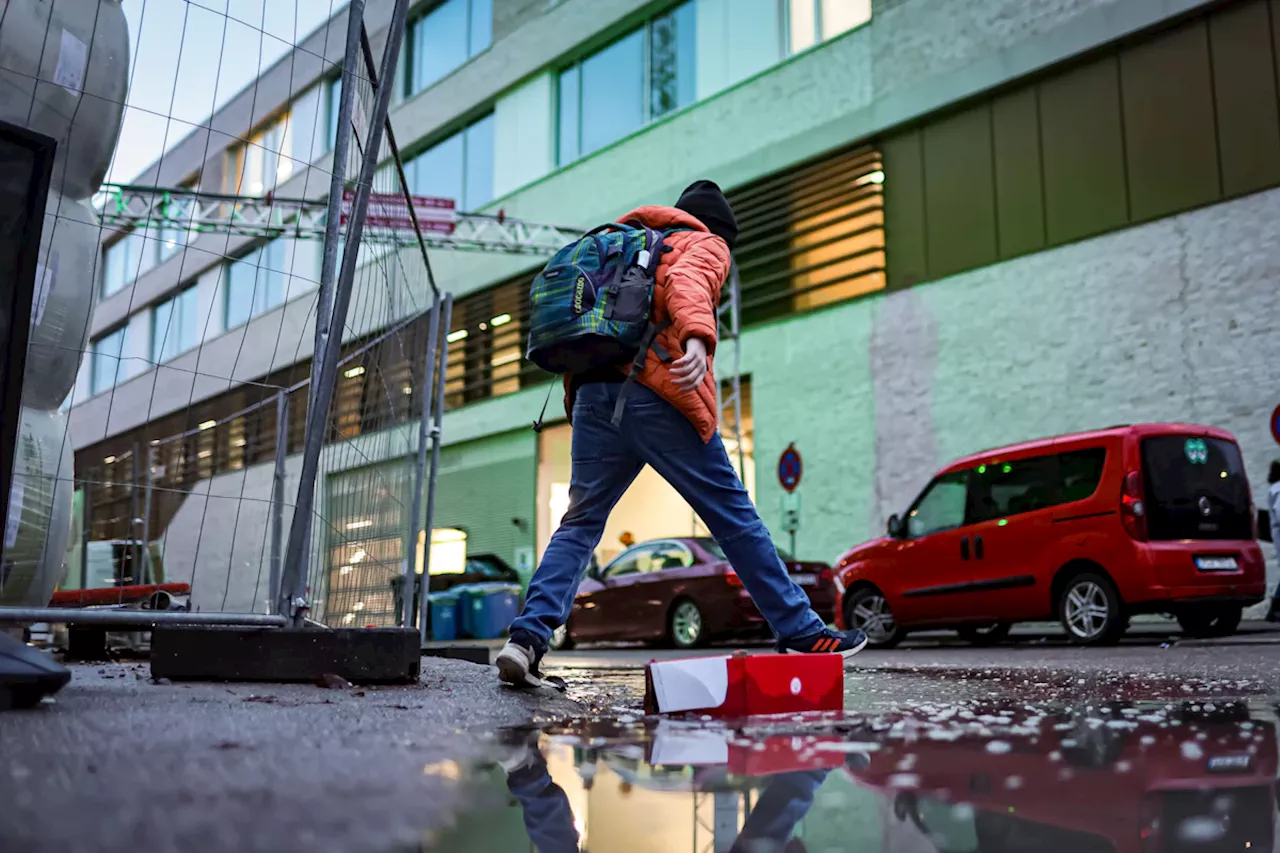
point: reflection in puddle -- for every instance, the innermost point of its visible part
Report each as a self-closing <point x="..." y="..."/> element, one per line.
<point x="1110" y="778"/>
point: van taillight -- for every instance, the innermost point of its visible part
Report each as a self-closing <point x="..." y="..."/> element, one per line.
<point x="827" y="574"/>
<point x="732" y="579"/>
<point x="1133" y="508"/>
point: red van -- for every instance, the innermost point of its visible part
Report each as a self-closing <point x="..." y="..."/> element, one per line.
<point x="1089" y="529"/>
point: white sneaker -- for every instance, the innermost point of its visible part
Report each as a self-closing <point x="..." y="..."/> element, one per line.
<point x="518" y="666"/>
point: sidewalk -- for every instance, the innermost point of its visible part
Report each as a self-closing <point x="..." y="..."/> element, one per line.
<point x="117" y="763"/>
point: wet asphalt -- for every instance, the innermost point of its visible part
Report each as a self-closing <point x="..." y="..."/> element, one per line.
<point x="1160" y="744"/>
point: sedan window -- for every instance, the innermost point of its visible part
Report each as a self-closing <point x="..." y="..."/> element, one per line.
<point x="669" y="555"/>
<point x="629" y="562"/>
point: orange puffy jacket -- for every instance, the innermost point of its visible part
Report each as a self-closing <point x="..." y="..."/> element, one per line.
<point x="686" y="294"/>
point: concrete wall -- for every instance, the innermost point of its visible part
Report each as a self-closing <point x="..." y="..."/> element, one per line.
<point x="1170" y="321"/>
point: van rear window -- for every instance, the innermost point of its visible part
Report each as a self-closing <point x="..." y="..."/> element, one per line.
<point x="1195" y="489"/>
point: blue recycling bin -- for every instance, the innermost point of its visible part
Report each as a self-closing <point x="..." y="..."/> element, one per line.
<point x="444" y="615"/>
<point x="486" y="610"/>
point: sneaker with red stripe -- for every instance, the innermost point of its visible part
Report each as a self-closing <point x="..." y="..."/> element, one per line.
<point x="844" y="643"/>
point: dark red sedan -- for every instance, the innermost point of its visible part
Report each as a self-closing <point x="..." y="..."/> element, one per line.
<point x="681" y="591"/>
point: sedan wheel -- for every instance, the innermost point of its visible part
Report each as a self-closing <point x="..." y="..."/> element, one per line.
<point x="687" y="628"/>
<point x="867" y="611"/>
<point x="1090" y="611"/>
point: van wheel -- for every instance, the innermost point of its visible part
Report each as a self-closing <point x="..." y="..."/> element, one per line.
<point x="1210" y="621"/>
<point x="867" y="610"/>
<point x="985" y="635"/>
<point x="1090" y="610"/>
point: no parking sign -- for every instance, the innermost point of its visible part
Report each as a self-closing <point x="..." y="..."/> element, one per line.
<point x="790" y="468"/>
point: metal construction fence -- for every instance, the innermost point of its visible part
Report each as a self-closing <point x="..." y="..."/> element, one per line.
<point x="235" y="503"/>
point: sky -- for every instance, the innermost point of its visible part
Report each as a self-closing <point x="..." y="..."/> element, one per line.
<point x="189" y="57"/>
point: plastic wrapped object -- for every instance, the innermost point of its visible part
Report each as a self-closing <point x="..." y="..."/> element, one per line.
<point x="27" y="675"/>
<point x="39" y="520"/>
<point x="62" y="303"/>
<point x="64" y="72"/>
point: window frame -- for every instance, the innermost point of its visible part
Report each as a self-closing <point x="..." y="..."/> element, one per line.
<point x="276" y="130"/>
<point x="1049" y="478"/>
<point x="1054" y="483"/>
<point x="409" y="51"/>
<point x="258" y="305"/>
<point x="646" y="94"/>
<point x="137" y="245"/>
<point x="463" y="136"/>
<point x="965" y="521"/>
<point x="96" y="353"/>
<point x="820" y="36"/>
<point x="174" y="303"/>
<point x="632" y="554"/>
<point x="686" y="552"/>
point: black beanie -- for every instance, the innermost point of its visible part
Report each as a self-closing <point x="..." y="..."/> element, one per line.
<point x="704" y="201"/>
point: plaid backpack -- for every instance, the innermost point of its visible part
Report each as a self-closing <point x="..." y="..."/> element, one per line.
<point x="591" y="305"/>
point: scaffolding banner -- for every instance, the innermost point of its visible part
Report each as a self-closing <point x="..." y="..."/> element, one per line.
<point x="388" y="210"/>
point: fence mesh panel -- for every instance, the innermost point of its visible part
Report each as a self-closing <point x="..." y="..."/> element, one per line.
<point x="189" y="393"/>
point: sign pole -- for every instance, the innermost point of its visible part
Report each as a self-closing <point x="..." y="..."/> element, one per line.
<point x="790" y="470"/>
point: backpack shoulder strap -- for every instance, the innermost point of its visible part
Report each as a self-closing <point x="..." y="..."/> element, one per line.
<point x="648" y="342"/>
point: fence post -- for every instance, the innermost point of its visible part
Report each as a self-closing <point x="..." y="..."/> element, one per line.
<point x="409" y="594"/>
<point x="86" y="525"/>
<point x="446" y="319"/>
<point x="134" y="475"/>
<point x="274" y="602"/>
<point x="146" y="508"/>
<point x="293" y="573"/>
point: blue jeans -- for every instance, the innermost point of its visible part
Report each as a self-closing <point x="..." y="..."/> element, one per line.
<point x="606" y="460"/>
<point x="548" y="817"/>
<point x="785" y="800"/>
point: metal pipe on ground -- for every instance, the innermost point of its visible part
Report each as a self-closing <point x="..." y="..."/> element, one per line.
<point x="62" y="616"/>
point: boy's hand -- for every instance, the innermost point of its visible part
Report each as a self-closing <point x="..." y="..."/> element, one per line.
<point x="692" y="367"/>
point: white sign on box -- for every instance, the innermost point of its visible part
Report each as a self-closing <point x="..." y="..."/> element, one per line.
<point x="691" y="685"/>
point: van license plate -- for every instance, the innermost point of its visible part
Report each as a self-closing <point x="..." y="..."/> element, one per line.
<point x="805" y="580"/>
<point x="1230" y="764"/>
<point x="1216" y="564"/>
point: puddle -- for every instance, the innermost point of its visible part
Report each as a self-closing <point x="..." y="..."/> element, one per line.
<point x="971" y="777"/>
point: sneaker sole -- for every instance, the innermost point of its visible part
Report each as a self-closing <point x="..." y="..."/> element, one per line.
<point x="848" y="653"/>
<point x="510" y="671"/>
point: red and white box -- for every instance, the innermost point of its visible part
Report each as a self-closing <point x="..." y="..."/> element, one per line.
<point x="742" y="685"/>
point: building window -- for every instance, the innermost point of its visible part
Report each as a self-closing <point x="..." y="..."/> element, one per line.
<point x="444" y="39"/>
<point x="256" y="283"/>
<point x="810" y="22"/>
<point x="609" y="94"/>
<point x="126" y="260"/>
<point x="174" y="327"/>
<point x="813" y="235"/>
<point x="265" y="160"/>
<point x="459" y="168"/>
<point x="107" y="358"/>
<point x="486" y="355"/>
<point x="333" y="102"/>
<point x="180" y="226"/>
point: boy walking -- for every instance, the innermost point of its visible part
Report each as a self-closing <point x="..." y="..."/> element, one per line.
<point x="669" y="422"/>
